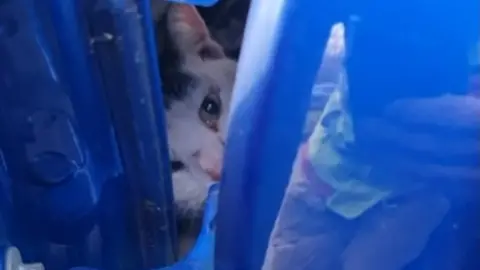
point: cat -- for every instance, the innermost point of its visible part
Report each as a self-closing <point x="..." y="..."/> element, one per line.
<point x="198" y="81"/>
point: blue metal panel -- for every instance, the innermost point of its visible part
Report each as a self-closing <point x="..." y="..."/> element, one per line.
<point x="44" y="154"/>
<point x="271" y="98"/>
<point x="75" y="64"/>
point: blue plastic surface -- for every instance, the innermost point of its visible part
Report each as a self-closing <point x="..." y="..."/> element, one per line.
<point x="280" y="58"/>
<point x="271" y="98"/>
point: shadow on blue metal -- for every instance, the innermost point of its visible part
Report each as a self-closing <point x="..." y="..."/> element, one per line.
<point x="281" y="54"/>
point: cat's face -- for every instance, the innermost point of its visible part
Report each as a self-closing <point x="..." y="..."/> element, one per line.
<point x="200" y="89"/>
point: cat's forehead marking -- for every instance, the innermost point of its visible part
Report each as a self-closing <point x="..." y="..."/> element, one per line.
<point x="220" y="72"/>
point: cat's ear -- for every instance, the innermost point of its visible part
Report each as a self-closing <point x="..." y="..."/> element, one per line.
<point x="190" y="33"/>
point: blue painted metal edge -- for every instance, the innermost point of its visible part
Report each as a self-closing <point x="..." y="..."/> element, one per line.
<point x="137" y="109"/>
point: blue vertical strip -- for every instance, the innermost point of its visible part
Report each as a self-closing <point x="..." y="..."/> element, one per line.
<point x="157" y="99"/>
<point x="156" y="91"/>
<point x="282" y="51"/>
<point x="137" y="111"/>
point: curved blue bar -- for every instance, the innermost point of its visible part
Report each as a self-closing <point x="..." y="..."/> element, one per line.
<point x="278" y="64"/>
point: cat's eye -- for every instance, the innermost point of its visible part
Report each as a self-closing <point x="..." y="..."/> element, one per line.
<point x="210" y="110"/>
<point x="176" y="165"/>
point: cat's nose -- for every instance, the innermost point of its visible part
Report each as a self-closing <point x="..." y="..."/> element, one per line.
<point x="214" y="174"/>
<point x="214" y="169"/>
<point x="212" y="165"/>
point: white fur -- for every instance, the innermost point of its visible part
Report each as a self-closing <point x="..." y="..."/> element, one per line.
<point x="190" y="140"/>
